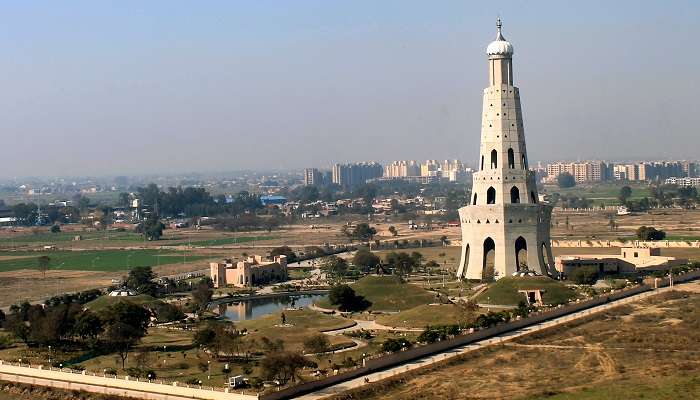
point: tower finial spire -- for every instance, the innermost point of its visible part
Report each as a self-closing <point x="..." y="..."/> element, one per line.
<point x="499" y="25"/>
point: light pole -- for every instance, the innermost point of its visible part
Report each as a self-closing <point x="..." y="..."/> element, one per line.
<point x="209" y="370"/>
<point x="49" y="354"/>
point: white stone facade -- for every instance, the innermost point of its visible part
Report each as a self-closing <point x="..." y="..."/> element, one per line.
<point x="504" y="215"/>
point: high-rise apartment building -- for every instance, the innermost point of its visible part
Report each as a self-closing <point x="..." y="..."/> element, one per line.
<point x="351" y="175"/>
<point x="587" y="171"/>
<point x="312" y="176"/>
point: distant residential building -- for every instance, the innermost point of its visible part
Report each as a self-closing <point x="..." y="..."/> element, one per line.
<point x="423" y="180"/>
<point x="312" y="176"/>
<point x="430" y="168"/>
<point x="683" y="182"/>
<point x="356" y="174"/>
<point x="587" y="171"/>
<point x="251" y="272"/>
<point x="398" y="169"/>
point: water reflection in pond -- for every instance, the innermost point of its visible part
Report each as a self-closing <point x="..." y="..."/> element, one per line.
<point x="254" y="308"/>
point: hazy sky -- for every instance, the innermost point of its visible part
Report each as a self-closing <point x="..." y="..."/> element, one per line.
<point x="120" y="87"/>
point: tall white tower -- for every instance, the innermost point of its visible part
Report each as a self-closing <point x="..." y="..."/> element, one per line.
<point x="504" y="228"/>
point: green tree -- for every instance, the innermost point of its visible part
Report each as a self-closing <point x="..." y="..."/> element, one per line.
<point x="151" y="228"/>
<point x="346" y="299"/>
<point x="87" y="325"/>
<point x="125" y="324"/>
<point x="401" y="262"/>
<point x="584" y="275"/>
<point x="566" y="180"/>
<point x="394" y="345"/>
<point x="625" y="194"/>
<point x="334" y="265"/>
<point x="363" y="232"/>
<point x="141" y="280"/>
<point x="284" y="251"/>
<point x="55" y="228"/>
<point x="317" y="343"/>
<point x="393" y="231"/>
<point x="283" y="366"/>
<point x="201" y="295"/>
<point x="43" y="264"/>
<point x="365" y="259"/>
<point x="650" y="233"/>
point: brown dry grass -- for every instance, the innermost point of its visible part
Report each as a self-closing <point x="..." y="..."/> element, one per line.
<point x="625" y="344"/>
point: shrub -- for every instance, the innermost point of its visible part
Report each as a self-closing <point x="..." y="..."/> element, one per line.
<point x="394" y="345"/>
<point x="650" y="233"/>
<point x="585" y="275"/>
<point x="317" y="343"/>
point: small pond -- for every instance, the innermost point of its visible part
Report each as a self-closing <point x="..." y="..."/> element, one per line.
<point x="255" y="308"/>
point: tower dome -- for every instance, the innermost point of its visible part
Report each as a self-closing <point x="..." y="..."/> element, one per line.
<point x="500" y="46"/>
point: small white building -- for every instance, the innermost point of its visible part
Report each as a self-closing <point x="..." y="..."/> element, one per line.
<point x="122" y="292"/>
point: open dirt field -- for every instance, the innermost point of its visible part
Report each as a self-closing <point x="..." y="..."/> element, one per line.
<point x="20" y="285"/>
<point x="646" y="349"/>
<point x="678" y="224"/>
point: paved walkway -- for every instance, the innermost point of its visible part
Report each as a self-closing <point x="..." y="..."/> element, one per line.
<point x="429" y="360"/>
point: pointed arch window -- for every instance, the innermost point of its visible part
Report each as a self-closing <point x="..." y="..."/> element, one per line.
<point x="491" y="196"/>
<point x="523" y="161"/>
<point x="511" y="159"/>
<point x="494" y="159"/>
<point x="482" y="163"/>
<point x="474" y="203"/>
<point x="514" y="195"/>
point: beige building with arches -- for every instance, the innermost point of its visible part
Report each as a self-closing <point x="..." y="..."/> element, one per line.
<point x="504" y="228"/>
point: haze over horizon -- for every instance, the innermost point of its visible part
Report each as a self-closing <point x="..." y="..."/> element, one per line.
<point x="135" y="88"/>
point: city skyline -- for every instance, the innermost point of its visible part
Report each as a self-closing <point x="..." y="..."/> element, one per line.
<point x="256" y="87"/>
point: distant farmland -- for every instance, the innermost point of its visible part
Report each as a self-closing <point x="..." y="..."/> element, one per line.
<point x="222" y="241"/>
<point x="95" y="260"/>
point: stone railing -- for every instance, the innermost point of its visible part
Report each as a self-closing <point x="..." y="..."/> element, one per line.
<point x="630" y="243"/>
<point x="111" y="384"/>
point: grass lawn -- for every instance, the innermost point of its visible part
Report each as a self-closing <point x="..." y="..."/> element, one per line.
<point x="303" y="324"/>
<point x="223" y="241"/>
<point x="48" y="237"/>
<point x="95" y="260"/>
<point x="606" y="193"/>
<point x="103" y="302"/>
<point x="389" y="293"/>
<point x="422" y="316"/>
<point x="505" y="291"/>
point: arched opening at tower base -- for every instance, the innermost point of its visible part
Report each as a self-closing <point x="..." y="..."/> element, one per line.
<point x="489" y="262"/>
<point x="520" y="254"/>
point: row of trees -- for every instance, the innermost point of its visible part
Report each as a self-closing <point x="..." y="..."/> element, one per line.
<point x="364" y="261"/>
<point x="192" y="201"/>
<point x="117" y="328"/>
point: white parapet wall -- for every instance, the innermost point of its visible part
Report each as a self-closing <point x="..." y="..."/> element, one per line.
<point x="680" y="244"/>
<point x="122" y="386"/>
